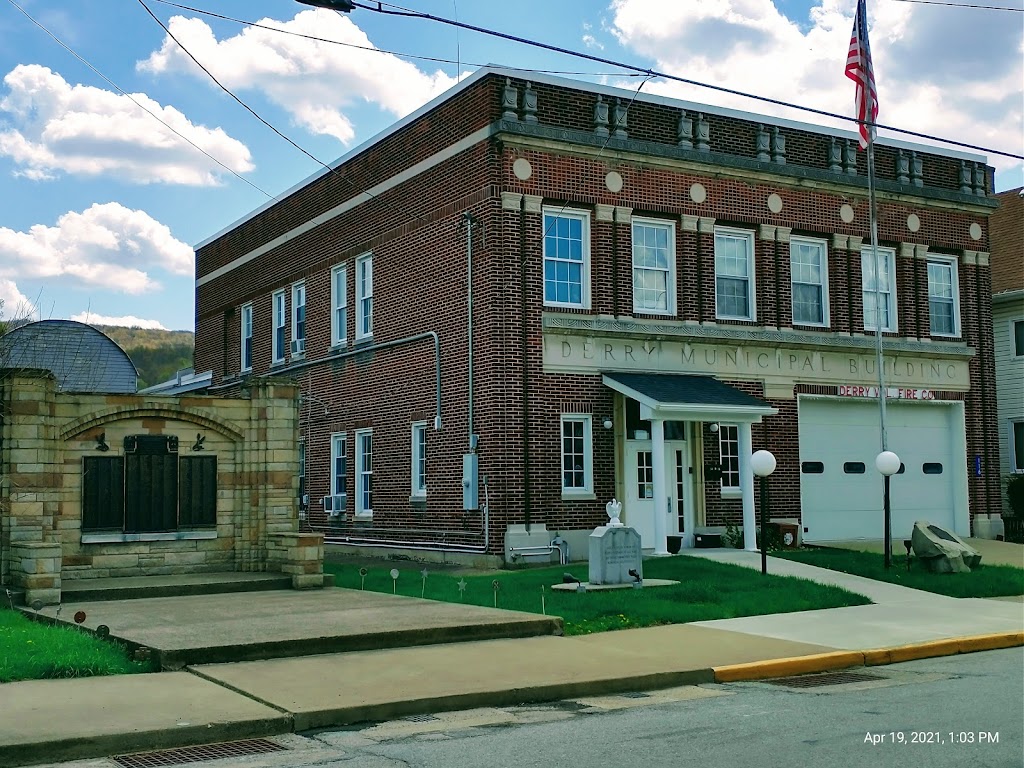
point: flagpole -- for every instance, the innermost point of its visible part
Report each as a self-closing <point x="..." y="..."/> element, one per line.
<point x="879" y="360"/>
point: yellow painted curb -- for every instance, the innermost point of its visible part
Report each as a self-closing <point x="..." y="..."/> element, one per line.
<point x="991" y="642"/>
<point x="927" y="650"/>
<point x="796" y="665"/>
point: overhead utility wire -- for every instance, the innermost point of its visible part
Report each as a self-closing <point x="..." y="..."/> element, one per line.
<point x="379" y="8"/>
<point x="144" y="108"/>
<point x="253" y="112"/>
<point x="372" y="49"/>
<point x="964" y="5"/>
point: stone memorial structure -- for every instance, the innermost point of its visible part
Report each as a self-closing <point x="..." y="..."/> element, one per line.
<point x="942" y="551"/>
<point x="615" y="551"/>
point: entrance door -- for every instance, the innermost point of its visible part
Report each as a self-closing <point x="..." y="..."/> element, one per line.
<point x="640" y="503"/>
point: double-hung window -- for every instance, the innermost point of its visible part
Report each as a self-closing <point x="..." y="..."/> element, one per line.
<point x="577" y="455"/>
<point x="299" y="318"/>
<point x="364" y="473"/>
<point x="654" y="262"/>
<point x="364" y="296"/>
<point x="566" y="258"/>
<point x="1016" y="435"/>
<point x="943" y="296"/>
<point x="734" y="274"/>
<point x="339" y="305"/>
<point x="809" y="270"/>
<point x="729" y="453"/>
<point x="1017" y="340"/>
<point x="246" y="336"/>
<point x="280" y="327"/>
<point x="419" y="460"/>
<point x="339" y="472"/>
<point x="879" y="295"/>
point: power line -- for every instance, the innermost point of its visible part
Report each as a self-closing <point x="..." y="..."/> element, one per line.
<point x="144" y="108"/>
<point x="963" y="5"/>
<point x="255" y="114"/>
<point x="379" y="8"/>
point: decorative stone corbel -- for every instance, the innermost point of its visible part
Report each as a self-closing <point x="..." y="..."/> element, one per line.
<point x="601" y="117"/>
<point x="688" y="222"/>
<point x="530" y="104"/>
<point x="684" y="131"/>
<point x="621" y="117"/>
<point x="706" y="224"/>
<point x="766" y="232"/>
<point x="778" y="147"/>
<point x="916" y="170"/>
<point x="703" y="133"/>
<point x="511" y="201"/>
<point x="782" y="234"/>
<point x="850" y="158"/>
<point x="762" y="146"/>
<point x="510" y="101"/>
<point x="902" y="167"/>
<point x="835" y="155"/>
<point x="533" y="203"/>
<point x="623" y="214"/>
<point x="604" y="212"/>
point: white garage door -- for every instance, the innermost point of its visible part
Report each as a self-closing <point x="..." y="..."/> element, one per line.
<point x="841" y="491"/>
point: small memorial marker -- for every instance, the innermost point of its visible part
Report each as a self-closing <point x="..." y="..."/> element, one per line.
<point x="496" y="585"/>
<point x="423" y="588"/>
<point x="462" y="589"/>
<point x="394" y="581"/>
<point x="362" y="578"/>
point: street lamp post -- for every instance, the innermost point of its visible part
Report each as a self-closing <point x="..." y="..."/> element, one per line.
<point x="763" y="464"/>
<point x="888" y="464"/>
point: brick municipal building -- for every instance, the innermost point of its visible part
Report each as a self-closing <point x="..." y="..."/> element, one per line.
<point x="530" y="297"/>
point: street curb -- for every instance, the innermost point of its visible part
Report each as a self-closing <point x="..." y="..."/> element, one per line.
<point x="825" y="662"/>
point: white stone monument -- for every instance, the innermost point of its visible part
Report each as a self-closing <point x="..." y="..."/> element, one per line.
<point x="615" y="551"/>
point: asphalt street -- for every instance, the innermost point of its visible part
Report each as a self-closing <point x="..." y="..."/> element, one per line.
<point x="949" y="711"/>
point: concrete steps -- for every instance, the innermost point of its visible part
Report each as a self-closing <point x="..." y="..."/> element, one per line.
<point x="139" y="587"/>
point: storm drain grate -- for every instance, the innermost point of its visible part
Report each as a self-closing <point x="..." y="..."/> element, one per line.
<point x="635" y="695"/>
<point x="420" y="719"/>
<point x="828" y="678"/>
<point x="198" y="754"/>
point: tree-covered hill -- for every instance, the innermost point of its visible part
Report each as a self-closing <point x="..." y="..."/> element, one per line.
<point x="157" y="355"/>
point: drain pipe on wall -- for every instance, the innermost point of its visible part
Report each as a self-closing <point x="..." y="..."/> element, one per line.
<point x="470" y="459"/>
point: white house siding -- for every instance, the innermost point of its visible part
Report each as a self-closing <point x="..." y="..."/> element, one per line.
<point x="1009" y="374"/>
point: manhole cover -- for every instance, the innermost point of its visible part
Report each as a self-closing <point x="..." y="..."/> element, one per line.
<point x="198" y="754"/>
<point x="420" y="719"/>
<point x="828" y="678"/>
<point x="635" y="695"/>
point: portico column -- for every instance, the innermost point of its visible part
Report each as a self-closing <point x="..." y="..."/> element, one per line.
<point x="746" y="448"/>
<point x="660" y="491"/>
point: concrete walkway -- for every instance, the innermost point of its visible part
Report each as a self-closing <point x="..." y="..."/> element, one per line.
<point x="56" y="720"/>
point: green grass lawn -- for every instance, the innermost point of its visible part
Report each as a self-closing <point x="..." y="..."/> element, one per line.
<point x="30" y="650"/>
<point x="983" y="581"/>
<point x="708" y="590"/>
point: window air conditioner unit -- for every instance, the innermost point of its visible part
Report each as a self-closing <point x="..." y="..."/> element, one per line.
<point x="328" y="503"/>
<point x="339" y="504"/>
<point x="298" y="346"/>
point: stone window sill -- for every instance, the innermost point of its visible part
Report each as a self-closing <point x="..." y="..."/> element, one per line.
<point x="116" y="538"/>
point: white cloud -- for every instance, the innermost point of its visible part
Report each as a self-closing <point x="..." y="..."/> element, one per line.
<point x="953" y="73"/>
<point x="56" y="127"/>
<point x="128" y="321"/>
<point x="106" y="245"/>
<point x="314" y="81"/>
<point x="14" y="305"/>
<point x="591" y="42"/>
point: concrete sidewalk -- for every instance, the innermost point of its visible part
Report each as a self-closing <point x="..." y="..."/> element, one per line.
<point x="55" y="720"/>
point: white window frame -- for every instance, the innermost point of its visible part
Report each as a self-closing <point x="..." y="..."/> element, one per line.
<point x="867" y="256"/>
<point x="746" y="236"/>
<point x="364" y="476"/>
<point x="822" y="247"/>
<point x="245" y="338"/>
<point x="954" y="277"/>
<point x="364" y="297"/>
<point x="584" y="218"/>
<point x="279" y="321"/>
<point x="418" y="462"/>
<point x="1013" y="339"/>
<point x="339" y="305"/>
<point x="669" y="271"/>
<point x="587" y="422"/>
<point x="339" y="450"/>
<point x="729" y="490"/>
<point x="299" y="304"/>
<point x="1012" y="445"/>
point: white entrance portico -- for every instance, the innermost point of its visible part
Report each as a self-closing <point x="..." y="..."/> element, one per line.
<point x="675" y="400"/>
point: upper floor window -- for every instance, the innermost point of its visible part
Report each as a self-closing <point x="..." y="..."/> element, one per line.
<point x="280" y="318"/>
<point x="566" y="259"/>
<point x="364" y="296"/>
<point x="1017" y="327"/>
<point x="298" y="318"/>
<point x="654" y="262"/>
<point x="364" y="472"/>
<point x="809" y="270"/>
<point x="577" y="455"/>
<point x="729" y="453"/>
<point x="943" y="296"/>
<point x="419" y="459"/>
<point x="879" y="294"/>
<point x="339" y="305"/>
<point x="246" y="346"/>
<point x="734" y="274"/>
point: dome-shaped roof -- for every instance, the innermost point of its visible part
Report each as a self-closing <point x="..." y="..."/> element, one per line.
<point x="82" y="358"/>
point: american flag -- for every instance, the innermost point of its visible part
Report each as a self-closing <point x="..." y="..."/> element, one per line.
<point x="859" y="69"/>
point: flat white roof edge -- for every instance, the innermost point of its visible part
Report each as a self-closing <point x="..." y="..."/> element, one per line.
<point x="605" y="90"/>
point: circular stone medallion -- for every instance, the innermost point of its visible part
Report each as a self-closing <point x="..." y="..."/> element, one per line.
<point x="613" y="181"/>
<point x="774" y="203"/>
<point x="846" y="212"/>
<point x="913" y="222"/>
<point x="522" y="169"/>
<point x="975" y="231"/>
<point x="698" y="194"/>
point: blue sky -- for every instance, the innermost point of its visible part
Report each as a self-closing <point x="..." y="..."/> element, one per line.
<point x="101" y="204"/>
